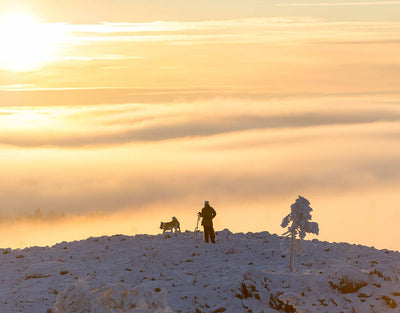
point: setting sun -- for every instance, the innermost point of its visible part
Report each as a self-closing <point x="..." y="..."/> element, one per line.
<point x="26" y="44"/>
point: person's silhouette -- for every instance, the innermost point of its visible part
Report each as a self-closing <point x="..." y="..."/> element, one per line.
<point x="208" y="213"/>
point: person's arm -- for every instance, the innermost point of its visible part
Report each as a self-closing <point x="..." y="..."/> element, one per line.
<point x="213" y="213"/>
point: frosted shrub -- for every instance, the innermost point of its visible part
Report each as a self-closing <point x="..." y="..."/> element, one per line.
<point x="126" y="299"/>
<point x="76" y="298"/>
<point x="348" y="279"/>
<point x="299" y="218"/>
<point x="114" y="298"/>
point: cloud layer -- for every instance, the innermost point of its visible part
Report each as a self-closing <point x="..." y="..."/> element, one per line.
<point x="250" y="166"/>
<point x="132" y="156"/>
<point x="103" y="126"/>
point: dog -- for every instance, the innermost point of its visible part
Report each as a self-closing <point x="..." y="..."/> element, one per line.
<point x="173" y="225"/>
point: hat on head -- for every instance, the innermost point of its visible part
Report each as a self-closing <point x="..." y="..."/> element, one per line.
<point x="206" y="202"/>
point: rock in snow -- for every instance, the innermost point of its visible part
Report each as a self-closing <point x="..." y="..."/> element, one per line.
<point x="45" y="269"/>
<point x="241" y="273"/>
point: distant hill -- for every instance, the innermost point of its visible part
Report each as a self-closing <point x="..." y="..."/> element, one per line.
<point x="241" y="273"/>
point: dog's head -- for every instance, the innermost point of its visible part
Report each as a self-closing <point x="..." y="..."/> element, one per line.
<point x="161" y="225"/>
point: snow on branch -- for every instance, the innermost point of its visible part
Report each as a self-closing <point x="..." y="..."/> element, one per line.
<point x="300" y="217"/>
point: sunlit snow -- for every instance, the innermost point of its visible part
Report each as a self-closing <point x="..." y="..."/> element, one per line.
<point x="180" y="273"/>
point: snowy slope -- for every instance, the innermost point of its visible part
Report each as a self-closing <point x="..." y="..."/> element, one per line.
<point x="241" y="273"/>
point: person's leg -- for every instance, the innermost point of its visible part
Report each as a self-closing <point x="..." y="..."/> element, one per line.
<point x="206" y="233"/>
<point x="212" y="234"/>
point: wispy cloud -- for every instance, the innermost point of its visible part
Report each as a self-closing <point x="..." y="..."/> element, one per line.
<point x="139" y="54"/>
<point x="94" y="58"/>
<point x="179" y="26"/>
<point x="31" y="96"/>
<point x="200" y="32"/>
<point x="16" y="87"/>
<point x="282" y="30"/>
<point x="320" y="4"/>
<point x="137" y="123"/>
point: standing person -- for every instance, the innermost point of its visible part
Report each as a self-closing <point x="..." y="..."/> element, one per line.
<point x="208" y="213"/>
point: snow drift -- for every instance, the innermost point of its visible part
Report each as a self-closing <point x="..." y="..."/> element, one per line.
<point x="241" y="273"/>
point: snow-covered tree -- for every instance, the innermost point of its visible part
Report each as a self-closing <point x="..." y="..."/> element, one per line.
<point x="300" y="217"/>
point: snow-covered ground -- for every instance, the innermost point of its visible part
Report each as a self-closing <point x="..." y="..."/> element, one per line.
<point x="241" y="273"/>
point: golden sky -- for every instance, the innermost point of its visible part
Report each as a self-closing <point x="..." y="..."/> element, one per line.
<point x="116" y="115"/>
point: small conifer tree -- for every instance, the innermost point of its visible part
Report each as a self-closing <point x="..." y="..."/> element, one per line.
<point x="299" y="217"/>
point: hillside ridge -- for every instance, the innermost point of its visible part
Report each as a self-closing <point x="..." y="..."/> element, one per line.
<point x="181" y="273"/>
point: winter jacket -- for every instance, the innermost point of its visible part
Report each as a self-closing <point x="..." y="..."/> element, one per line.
<point x="207" y="213"/>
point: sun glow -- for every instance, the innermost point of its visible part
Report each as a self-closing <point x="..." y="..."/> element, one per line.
<point x="27" y="119"/>
<point x="25" y="43"/>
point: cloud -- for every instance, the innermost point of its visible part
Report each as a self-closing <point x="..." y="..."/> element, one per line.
<point x="352" y="3"/>
<point x="185" y="32"/>
<point x="84" y="96"/>
<point x="15" y="87"/>
<point x="101" y="95"/>
<point x="274" y="30"/>
<point x="95" y="58"/>
<point x="362" y="42"/>
<point x="139" y="123"/>
<point x="315" y="48"/>
<point x="180" y="26"/>
<point x="250" y="158"/>
<point x="311" y="161"/>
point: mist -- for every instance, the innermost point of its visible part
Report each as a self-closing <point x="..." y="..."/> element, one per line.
<point x="100" y="171"/>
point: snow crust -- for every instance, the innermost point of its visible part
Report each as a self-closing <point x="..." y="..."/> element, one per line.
<point x="180" y="273"/>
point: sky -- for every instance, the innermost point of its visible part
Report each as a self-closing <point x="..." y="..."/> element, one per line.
<point x="116" y="115"/>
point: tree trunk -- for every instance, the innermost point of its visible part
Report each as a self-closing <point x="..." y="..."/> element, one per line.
<point x="292" y="243"/>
